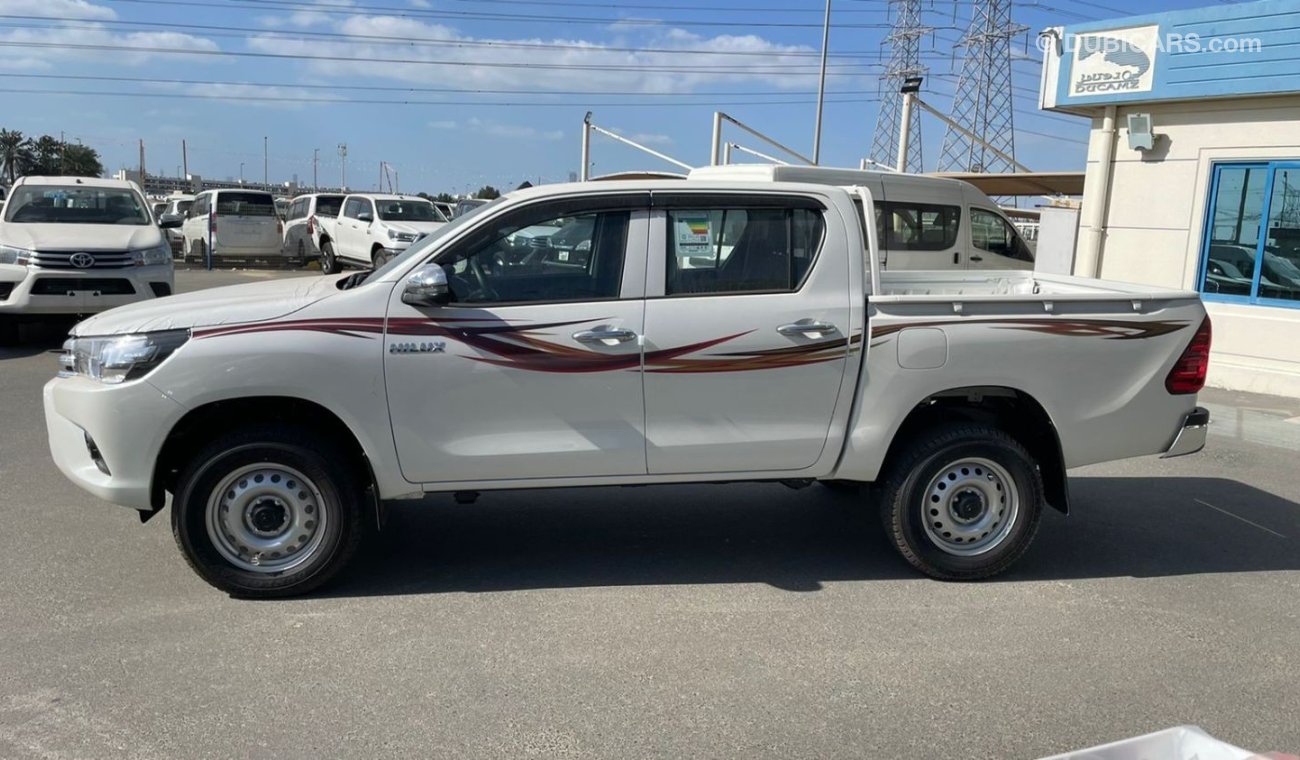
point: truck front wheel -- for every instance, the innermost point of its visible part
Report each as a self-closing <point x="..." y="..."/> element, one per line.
<point x="962" y="502"/>
<point x="265" y="513"/>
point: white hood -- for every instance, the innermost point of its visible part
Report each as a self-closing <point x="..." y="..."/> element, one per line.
<point x="417" y="228"/>
<point x="233" y="304"/>
<point x="81" y="237"/>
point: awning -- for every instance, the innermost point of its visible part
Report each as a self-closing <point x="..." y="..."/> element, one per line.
<point x="1022" y="183"/>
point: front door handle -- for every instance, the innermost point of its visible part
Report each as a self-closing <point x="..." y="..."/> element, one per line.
<point x="607" y="336"/>
<point x="810" y="327"/>
<point x="976" y="258"/>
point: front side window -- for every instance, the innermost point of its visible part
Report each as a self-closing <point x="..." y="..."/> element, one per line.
<point x="740" y="250"/>
<point x="1252" y="251"/>
<point x="904" y="226"/>
<point x="75" y="204"/>
<point x="352" y="209"/>
<point x="235" y="203"/>
<point x="990" y="232"/>
<point x="541" y="257"/>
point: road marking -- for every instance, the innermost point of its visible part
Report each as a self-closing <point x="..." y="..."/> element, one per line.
<point x="1239" y="517"/>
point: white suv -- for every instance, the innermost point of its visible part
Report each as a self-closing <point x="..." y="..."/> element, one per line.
<point x="232" y="224"/>
<point x="371" y="228"/>
<point x="77" y="245"/>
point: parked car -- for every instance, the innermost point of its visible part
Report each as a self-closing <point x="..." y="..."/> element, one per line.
<point x="467" y="205"/>
<point x="280" y="415"/>
<point x="237" y="224"/>
<point x="158" y="208"/>
<point x="282" y="207"/>
<point x="177" y="207"/>
<point x="76" y="245"/>
<point x="371" y="229"/>
<point x="309" y="218"/>
<point x="448" y="209"/>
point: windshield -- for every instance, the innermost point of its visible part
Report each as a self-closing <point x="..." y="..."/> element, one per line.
<point x="408" y="211"/>
<point x="73" y="204"/>
<point x="420" y="248"/>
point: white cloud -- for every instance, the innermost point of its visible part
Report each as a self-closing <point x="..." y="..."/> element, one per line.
<point x="513" y="131"/>
<point x="443" y="124"/>
<point x="78" y="9"/>
<point x="66" y="43"/>
<point x="475" y="63"/>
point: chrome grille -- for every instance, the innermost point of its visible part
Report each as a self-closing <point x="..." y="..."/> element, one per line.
<point x="63" y="260"/>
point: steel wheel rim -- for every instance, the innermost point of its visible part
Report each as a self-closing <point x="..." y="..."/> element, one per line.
<point x="266" y="518"/>
<point x="970" y="506"/>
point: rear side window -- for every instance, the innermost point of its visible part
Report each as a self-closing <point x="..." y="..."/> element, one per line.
<point x="298" y="209"/>
<point x="740" y="250"/>
<point x="328" y="205"/>
<point x="245" y="204"/>
<point x="902" y="226"/>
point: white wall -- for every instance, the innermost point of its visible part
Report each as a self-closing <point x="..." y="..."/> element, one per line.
<point x="1156" y="216"/>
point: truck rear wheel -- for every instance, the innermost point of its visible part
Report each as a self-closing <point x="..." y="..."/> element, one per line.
<point x="329" y="263"/>
<point x="962" y="502"/>
<point x="266" y="513"/>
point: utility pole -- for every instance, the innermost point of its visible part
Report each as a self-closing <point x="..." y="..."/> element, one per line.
<point x="63" y="155"/>
<point x="343" y="166"/>
<point x="185" y="159"/>
<point x="821" y="87"/>
<point x="266" y="175"/>
<point x="315" y="161"/>
<point x="142" y="162"/>
<point x="241" y="172"/>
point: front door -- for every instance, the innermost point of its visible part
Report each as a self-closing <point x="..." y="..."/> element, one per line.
<point x="351" y="230"/>
<point x="995" y="243"/>
<point x="748" y="338"/>
<point x="534" y="369"/>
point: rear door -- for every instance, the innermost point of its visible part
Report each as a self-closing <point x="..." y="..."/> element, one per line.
<point x="247" y="221"/>
<point x="747" y="332"/>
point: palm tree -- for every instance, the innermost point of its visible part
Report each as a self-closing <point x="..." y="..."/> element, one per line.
<point x="15" y="153"/>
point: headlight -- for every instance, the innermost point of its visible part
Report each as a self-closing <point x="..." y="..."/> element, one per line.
<point x="402" y="237"/>
<point x="160" y="254"/>
<point x="11" y="255"/>
<point x="115" y="359"/>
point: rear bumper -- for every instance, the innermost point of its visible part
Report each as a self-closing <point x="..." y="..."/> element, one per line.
<point x="1191" y="437"/>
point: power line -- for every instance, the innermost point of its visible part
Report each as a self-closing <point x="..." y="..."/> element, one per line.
<point x="407" y="12"/>
<point x="773" y="70"/>
<point x="314" y="36"/>
<point x="639" y="6"/>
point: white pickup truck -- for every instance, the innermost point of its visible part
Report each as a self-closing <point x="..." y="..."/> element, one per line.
<point x="703" y="331"/>
<point x="371" y="228"/>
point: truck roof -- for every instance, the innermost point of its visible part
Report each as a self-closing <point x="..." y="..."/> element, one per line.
<point x="812" y="175"/>
<point x="85" y="181"/>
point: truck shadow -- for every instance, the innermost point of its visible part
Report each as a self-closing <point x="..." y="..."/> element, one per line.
<point x="763" y="533"/>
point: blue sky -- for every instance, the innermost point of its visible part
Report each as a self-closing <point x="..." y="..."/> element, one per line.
<point x="691" y="56"/>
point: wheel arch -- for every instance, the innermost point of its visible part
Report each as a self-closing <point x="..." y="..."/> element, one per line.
<point x="187" y="436"/>
<point x="1011" y="410"/>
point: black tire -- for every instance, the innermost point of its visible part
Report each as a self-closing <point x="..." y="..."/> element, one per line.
<point x="378" y="258"/>
<point x="339" y="510"/>
<point x="329" y="263"/>
<point x="908" y="511"/>
<point x="300" y="260"/>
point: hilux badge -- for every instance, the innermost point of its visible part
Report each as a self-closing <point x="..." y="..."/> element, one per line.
<point x="411" y="347"/>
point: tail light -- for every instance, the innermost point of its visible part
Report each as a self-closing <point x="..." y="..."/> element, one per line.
<point x="279" y="226"/>
<point x="212" y="221"/>
<point x="311" y="225"/>
<point x="1188" y="374"/>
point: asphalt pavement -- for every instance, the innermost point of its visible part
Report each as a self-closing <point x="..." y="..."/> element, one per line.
<point x="745" y="621"/>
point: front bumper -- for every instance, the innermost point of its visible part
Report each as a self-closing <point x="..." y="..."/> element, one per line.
<point x="1191" y="436"/>
<point x="36" y="291"/>
<point x="127" y="425"/>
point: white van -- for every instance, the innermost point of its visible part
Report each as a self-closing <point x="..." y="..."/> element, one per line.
<point x="922" y="222"/>
<point x="232" y="224"/>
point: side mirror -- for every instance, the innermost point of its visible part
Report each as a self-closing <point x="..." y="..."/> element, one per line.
<point x="365" y="216"/>
<point x="170" y="221"/>
<point x="427" y="287"/>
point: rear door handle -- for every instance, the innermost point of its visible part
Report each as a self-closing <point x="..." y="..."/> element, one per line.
<point x="607" y="336"/>
<point x="808" y="327"/>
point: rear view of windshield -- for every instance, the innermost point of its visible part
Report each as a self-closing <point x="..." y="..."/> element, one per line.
<point x="71" y="204"/>
<point x="328" y="205"/>
<point x="245" y="204"/>
<point x="408" y="211"/>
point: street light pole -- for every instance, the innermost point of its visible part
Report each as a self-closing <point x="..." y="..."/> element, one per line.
<point x="821" y="87"/>
<point x="265" y="174"/>
<point x="241" y="172"/>
<point x="315" y="161"/>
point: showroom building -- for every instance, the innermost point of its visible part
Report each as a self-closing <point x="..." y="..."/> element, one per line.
<point x="1193" y="173"/>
